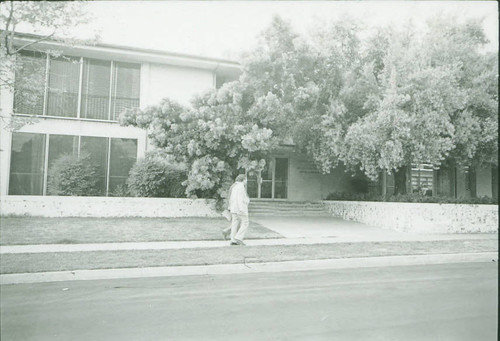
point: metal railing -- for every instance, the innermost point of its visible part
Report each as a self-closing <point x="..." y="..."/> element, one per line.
<point x="65" y="104"/>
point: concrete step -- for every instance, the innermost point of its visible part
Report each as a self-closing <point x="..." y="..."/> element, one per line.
<point x="285" y="202"/>
<point x="291" y="205"/>
<point x="271" y="209"/>
<point x="295" y="214"/>
<point x="285" y="205"/>
<point x="287" y="208"/>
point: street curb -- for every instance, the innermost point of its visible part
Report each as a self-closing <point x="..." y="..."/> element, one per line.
<point x="221" y="269"/>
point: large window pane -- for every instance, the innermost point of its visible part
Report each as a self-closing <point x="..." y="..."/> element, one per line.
<point x="252" y="184"/>
<point x="266" y="189"/>
<point x="97" y="147"/>
<point x="29" y="86"/>
<point x="64" y="82"/>
<point x="126" y="88"/>
<point x="27" y="164"/>
<point x="123" y="157"/>
<point x="61" y="144"/>
<point x="281" y="178"/>
<point x="95" y="90"/>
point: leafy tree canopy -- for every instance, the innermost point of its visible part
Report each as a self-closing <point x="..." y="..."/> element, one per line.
<point x="374" y="104"/>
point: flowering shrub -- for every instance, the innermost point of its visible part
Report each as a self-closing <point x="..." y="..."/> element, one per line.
<point x="155" y="177"/>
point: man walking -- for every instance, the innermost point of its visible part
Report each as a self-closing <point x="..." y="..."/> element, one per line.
<point x="238" y="206"/>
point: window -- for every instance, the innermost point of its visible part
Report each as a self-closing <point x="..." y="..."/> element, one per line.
<point x="470" y="182"/>
<point x="97" y="148"/>
<point x="30" y="164"/>
<point x="123" y="156"/>
<point x="281" y="178"/>
<point x="29" y="89"/>
<point x="64" y="81"/>
<point x="107" y="87"/>
<point x="27" y="164"/>
<point x="95" y="89"/>
<point x="422" y="179"/>
<point x="60" y="145"/>
<point x="125" y="94"/>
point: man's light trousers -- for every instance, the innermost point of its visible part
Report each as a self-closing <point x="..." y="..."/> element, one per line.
<point x="239" y="226"/>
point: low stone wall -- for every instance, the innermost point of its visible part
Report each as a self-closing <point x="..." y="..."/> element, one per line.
<point x="419" y="217"/>
<point x="55" y="206"/>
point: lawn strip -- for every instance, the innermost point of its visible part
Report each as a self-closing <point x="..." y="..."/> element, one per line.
<point x="61" y="261"/>
<point x="36" y="230"/>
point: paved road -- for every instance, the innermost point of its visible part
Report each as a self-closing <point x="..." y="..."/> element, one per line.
<point x="431" y="302"/>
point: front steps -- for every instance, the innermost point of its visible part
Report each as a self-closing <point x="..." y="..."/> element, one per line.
<point x="262" y="207"/>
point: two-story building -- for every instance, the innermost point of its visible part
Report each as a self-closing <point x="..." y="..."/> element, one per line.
<point x="79" y="94"/>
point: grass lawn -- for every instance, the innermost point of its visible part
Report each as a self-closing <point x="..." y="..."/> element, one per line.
<point x="36" y="230"/>
<point x="20" y="263"/>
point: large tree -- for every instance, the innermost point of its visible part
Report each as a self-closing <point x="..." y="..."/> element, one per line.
<point x="234" y="128"/>
<point x="427" y="99"/>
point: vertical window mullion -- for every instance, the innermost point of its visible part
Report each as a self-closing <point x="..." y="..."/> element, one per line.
<point x="79" y="146"/>
<point x="46" y="86"/>
<point x="259" y="184"/>
<point x="108" y="167"/>
<point x="80" y="89"/>
<point x="46" y="165"/>
<point x="111" y="83"/>
<point x="273" y="177"/>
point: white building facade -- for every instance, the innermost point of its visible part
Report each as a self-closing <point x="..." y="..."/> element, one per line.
<point x="75" y="107"/>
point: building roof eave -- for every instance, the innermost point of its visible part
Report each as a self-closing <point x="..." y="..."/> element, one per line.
<point x="132" y="54"/>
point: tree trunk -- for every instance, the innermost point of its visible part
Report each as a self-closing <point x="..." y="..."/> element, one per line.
<point x="400" y="180"/>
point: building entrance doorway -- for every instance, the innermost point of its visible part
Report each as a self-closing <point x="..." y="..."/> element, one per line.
<point x="271" y="182"/>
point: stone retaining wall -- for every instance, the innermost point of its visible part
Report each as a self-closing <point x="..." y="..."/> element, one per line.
<point x="418" y="217"/>
<point x="56" y="206"/>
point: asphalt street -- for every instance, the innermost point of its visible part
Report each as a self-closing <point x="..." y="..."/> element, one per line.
<point x="424" y="302"/>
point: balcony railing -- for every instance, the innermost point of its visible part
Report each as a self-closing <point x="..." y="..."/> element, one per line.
<point x="95" y="107"/>
<point x="119" y="104"/>
<point x="66" y="105"/>
<point x="63" y="104"/>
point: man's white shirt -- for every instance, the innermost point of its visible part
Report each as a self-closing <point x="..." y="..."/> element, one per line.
<point x="238" y="200"/>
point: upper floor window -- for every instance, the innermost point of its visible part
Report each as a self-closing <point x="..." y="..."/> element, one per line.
<point x="29" y="90"/>
<point x="75" y="87"/>
<point x="63" y="84"/>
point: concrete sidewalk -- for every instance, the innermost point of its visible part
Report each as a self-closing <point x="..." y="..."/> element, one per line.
<point x="312" y="227"/>
<point x="246" y="268"/>
<point x="341" y="238"/>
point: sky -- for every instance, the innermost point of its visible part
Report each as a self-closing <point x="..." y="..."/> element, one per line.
<point x="226" y="28"/>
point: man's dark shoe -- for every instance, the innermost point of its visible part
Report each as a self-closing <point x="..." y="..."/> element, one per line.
<point x="234" y="243"/>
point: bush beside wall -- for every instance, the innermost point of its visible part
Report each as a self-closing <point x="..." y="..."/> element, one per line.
<point x="154" y="177"/>
<point x="74" y="176"/>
